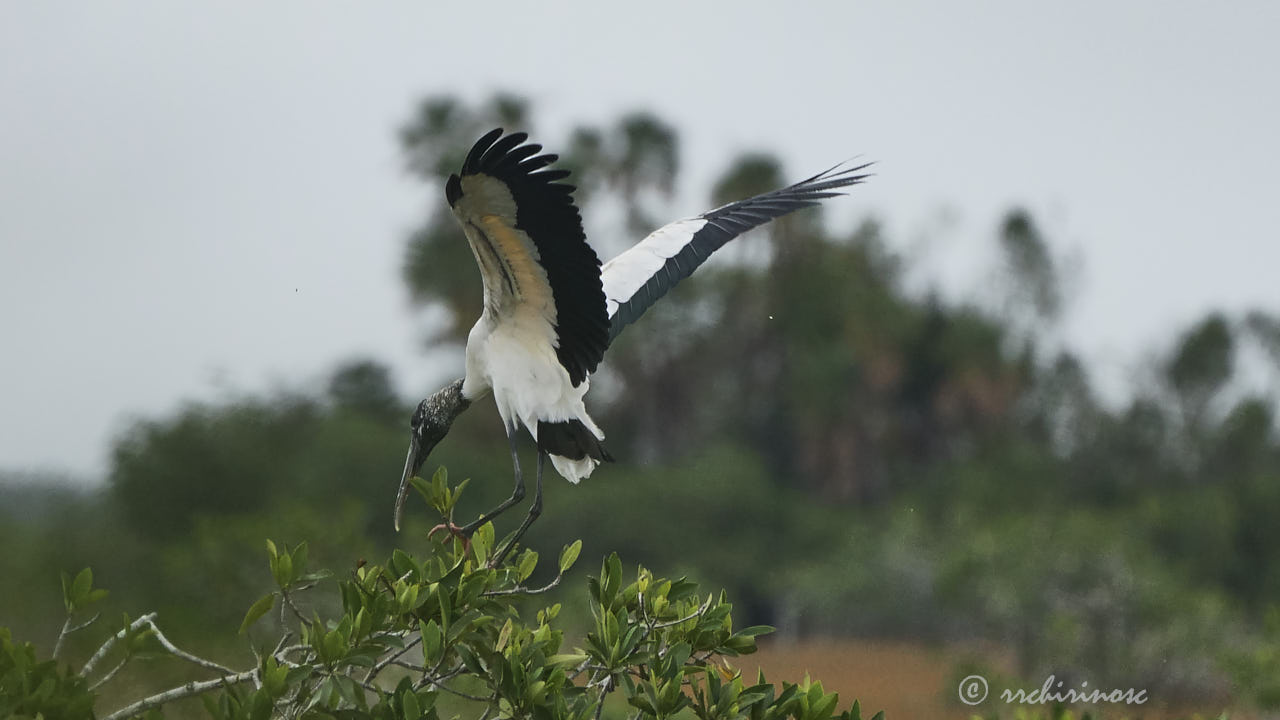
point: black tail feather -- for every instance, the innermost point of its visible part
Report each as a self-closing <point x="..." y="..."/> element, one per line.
<point x="570" y="439"/>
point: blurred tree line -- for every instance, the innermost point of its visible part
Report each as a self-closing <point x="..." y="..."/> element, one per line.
<point x="906" y="466"/>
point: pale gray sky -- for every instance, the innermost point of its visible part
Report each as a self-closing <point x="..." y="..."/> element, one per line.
<point x="201" y="196"/>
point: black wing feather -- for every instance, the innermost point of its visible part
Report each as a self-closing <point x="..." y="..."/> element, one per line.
<point x="724" y="224"/>
<point x="546" y="213"/>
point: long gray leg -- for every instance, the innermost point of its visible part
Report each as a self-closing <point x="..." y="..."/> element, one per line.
<point x="517" y="494"/>
<point x="534" y="511"/>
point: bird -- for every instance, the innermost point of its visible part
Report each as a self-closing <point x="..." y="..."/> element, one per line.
<point x="551" y="309"/>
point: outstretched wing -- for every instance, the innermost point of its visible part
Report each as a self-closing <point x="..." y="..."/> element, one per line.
<point x="639" y="276"/>
<point x="527" y="238"/>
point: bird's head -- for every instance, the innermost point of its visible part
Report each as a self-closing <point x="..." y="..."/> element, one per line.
<point x="430" y="423"/>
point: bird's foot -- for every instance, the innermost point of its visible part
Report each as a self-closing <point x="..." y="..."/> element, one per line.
<point x="454" y="530"/>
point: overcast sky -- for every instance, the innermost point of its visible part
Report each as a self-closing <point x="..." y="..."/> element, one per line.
<point x="198" y="198"/>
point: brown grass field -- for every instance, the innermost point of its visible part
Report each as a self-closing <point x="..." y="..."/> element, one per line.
<point x="912" y="682"/>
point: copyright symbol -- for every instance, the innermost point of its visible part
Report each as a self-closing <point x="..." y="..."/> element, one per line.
<point x="973" y="690"/>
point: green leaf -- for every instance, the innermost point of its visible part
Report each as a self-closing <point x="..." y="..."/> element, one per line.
<point x="66" y="592"/>
<point x="334" y="644"/>
<point x="570" y="555"/>
<point x="482" y="542"/>
<point x="470" y="660"/>
<point x="316" y="575"/>
<point x="271" y="550"/>
<point x="826" y="706"/>
<point x="457" y="492"/>
<point x="612" y="578"/>
<point x="402" y="564"/>
<point x="677" y="656"/>
<point x="423" y="489"/>
<point x="432" y="640"/>
<point x="503" y="635"/>
<point x="82" y="585"/>
<point x="412" y="711"/>
<point x="569" y="659"/>
<point x="408" y="599"/>
<point x="257" y="610"/>
<point x="528" y="562"/>
<point x="284" y="570"/>
<point x="299" y="557"/>
<point x="440" y="491"/>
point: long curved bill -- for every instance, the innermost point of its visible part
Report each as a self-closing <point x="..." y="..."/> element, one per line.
<point x="417" y="455"/>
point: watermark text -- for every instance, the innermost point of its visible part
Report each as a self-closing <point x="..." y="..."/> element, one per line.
<point x="973" y="690"/>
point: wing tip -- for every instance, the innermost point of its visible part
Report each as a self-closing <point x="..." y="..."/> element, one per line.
<point x="453" y="189"/>
<point x="479" y="148"/>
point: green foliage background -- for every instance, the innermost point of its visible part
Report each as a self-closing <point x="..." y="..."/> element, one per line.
<point x="846" y="456"/>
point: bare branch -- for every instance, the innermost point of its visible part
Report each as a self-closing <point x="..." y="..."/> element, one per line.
<point x="288" y="601"/>
<point x="606" y="685"/>
<point x="521" y="590"/>
<point x="440" y="684"/>
<point x="440" y="680"/>
<point x="705" y="606"/>
<point x="182" y="691"/>
<point x="111" y="642"/>
<point x="62" y="636"/>
<point x="85" y="624"/>
<point x="410" y="666"/>
<point x="280" y="645"/>
<point x="68" y="629"/>
<point x="373" y="671"/>
<point x="110" y="674"/>
<point x="178" y="652"/>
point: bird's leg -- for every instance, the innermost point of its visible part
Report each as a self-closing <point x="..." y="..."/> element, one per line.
<point x="534" y="511"/>
<point x="517" y="493"/>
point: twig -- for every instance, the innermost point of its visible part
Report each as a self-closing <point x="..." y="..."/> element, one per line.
<point x="182" y="691"/>
<point x="280" y="645"/>
<point x="459" y="693"/>
<point x="68" y="629"/>
<point x="705" y="606"/>
<point x="62" y="636"/>
<point x="178" y="652"/>
<point x="651" y="626"/>
<point x="427" y="677"/>
<point x="584" y="666"/>
<point x="288" y="600"/>
<point x="283" y="653"/>
<point x="440" y="683"/>
<point x="521" y="590"/>
<point x="111" y="642"/>
<point x="85" y="624"/>
<point x="110" y="674"/>
<point x="373" y="671"/>
<point x="605" y="687"/>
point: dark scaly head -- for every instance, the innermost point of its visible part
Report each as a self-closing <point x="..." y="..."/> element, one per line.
<point x="430" y="423"/>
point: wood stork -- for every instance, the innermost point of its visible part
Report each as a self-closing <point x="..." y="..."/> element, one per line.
<point x="551" y="310"/>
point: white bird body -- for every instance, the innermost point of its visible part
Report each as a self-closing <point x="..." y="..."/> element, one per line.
<point x="513" y="359"/>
